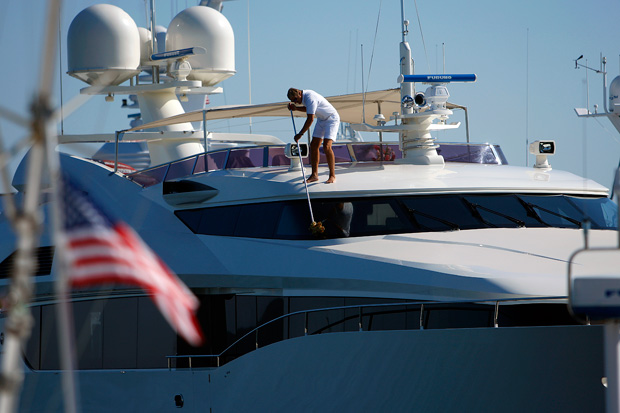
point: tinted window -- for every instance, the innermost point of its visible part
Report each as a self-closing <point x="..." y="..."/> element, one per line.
<point x="258" y="221"/>
<point x="276" y="157"/>
<point x="245" y="158"/>
<point x="467" y="153"/>
<point x="504" y="211"/>
<point x="120" y="333"/>
<point x="181" y="168"/>
<point x="215" y="160"/>
<point x="150" y="177"/>
<point x="156" y="339"/>
<point x="374" y="216"/>
<point x="294" y="222"/>
<point x="602" y="212"/>
<point x="341" y="153"/>
<point x="212" y="221"/>
<point x="555" y="211"/>
<point x="378" y="216"/>
<point x="429" y="213"/>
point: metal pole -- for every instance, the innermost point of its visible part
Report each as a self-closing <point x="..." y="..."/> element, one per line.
<point x="422" y="317"/>
<point x="19" y="322"/>
<point x="612" y="341"/>
<point x="303" y="171"/>
<point x="204" y="133"/>
<point x="116" y="152"/>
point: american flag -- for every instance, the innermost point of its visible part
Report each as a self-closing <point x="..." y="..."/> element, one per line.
<point x="101" y="250"/>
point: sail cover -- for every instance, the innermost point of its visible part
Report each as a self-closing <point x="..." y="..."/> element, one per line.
<point x="350" y="107"/>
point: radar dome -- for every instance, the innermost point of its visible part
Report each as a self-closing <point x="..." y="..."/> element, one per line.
<point x="201" y="26"/>
<point x="614" y="95"/>
<point x="103" y="46"/>
<point x="146" y="48"/>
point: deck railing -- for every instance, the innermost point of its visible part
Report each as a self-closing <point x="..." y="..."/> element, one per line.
<point x="421" y="306"/>
<point x="273" y="156"/>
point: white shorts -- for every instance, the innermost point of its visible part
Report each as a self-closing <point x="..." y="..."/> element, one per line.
<point x="326" y="129"/>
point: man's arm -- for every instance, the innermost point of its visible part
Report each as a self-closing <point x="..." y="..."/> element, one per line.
<point x="306" y="127"/>
<point x="292" y="106"/>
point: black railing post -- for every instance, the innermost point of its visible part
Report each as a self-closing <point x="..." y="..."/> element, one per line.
<point x="422" y="317"/>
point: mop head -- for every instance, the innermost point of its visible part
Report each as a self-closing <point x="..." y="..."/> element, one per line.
<point x="317" y="229"/>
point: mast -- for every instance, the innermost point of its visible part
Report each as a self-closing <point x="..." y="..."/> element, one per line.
<point x="420" y="113"/>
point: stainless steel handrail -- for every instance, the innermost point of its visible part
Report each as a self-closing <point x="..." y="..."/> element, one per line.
<point x="494" y="302"/>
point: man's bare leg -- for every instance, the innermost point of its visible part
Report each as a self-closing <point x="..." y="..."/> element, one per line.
<point x="331" y="160"/>
<point x="315" y="144"/>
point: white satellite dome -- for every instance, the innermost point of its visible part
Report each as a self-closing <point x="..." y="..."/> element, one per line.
<point x="146" y="47"/>
<point x="103" y="46"/>
<point x="614" y="95"/>
<point x="205" y="27"/>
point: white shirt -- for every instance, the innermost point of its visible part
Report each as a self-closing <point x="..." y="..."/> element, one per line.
<point x="317" y="105"/>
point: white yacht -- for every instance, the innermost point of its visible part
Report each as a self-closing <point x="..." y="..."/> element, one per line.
<point x="438" y="284"/>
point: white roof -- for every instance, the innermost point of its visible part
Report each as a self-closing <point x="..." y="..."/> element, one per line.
<point x="375" y="179"/>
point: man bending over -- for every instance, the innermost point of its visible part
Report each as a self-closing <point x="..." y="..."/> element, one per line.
<point x="325" y="130"/>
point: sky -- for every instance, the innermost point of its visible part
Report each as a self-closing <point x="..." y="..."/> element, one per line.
<point x="522" y="53"/>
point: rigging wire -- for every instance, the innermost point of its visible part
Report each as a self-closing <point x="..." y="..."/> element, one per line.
<point x="421" y="34"/>
<point x="374" y="42"/>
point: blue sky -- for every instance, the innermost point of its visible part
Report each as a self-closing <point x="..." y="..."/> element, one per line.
<point x="523" y="53"/>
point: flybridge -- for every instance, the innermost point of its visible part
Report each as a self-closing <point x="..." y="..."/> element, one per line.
<point x="443" y="78"/>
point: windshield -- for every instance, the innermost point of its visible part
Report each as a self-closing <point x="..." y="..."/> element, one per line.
<point x="355" y="217"/>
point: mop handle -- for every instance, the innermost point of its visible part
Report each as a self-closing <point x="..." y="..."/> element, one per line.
<point x="303" y="170"/>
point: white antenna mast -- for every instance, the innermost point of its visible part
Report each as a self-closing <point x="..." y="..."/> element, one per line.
<point x="249" y="66"/>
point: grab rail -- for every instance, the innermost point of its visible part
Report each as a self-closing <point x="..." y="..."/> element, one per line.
<point x="361" y="307"/>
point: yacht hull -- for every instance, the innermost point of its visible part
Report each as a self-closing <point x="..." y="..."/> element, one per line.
<point x="486" y="369"/>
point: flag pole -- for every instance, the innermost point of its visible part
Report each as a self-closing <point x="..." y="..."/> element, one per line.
<point x="27" y="227"/>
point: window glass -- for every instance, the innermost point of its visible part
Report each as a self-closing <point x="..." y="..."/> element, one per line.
<point x="258" y="220"/>
<point x="267" y="309"/>
<point x="482" y="154"/>
<point x="504" y="211"/>
<point x="602" y="212"/>
<point x="318" y="322"/>
<point x="276" y="157"/>
<point x="341" y="154"/>
<point x="149" y="177"/>
<point x="181" y="168"/>
<point x="379" y="216"/>
<point x="88" y="328"/>
<point x="156" y="339"/>
<point x="120" y="333"/>
<point x="219" y="221"/>
<point x="246" y="321"/>
<point x="335" y="216"/>
<point x="245" y="158"/>
<point x="294" y="221"/>
<point x="431" y="213"/>
<point x="384" y="318"/>
<point x="458" y="317"/>
<point x="362" y="217"/>
<point x="555" y="211"/>
<point x="49" y="339"/>
<point x="215" y="160"/>
<point x="200" y="165"/>
<point x="31" y="353"/>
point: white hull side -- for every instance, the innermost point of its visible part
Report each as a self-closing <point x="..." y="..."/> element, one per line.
<point x="482" y="370"/>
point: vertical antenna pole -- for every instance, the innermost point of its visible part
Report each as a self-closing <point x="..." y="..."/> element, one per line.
<point x="249" y="66"/>
<point x="363" y="90"/>
<point x="527" y="97"/>
<point x="154" y="42"/>
<point x="406" y="66"/>
<point x="443" y="50"/>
